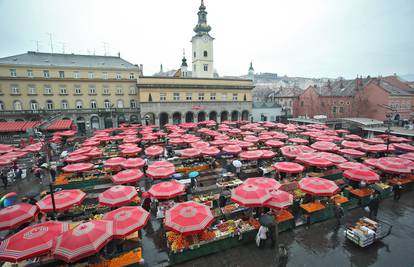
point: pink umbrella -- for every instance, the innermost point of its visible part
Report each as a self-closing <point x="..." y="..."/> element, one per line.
<point x="127" y="176"/>
<point x="279" y="199"/>
<point x="267" y="154"/>
<point x="351" y="144"/>
<point x="394" y="165"/>
<point x="218" y="143"/>
<point x="93" y="153"/>
<point x="352" y="166"/>
<point x="131" y="150"/>
<point x="324" y="146"/>
<point x="127" y="220"/>
<point x="162" y="163"/>
<point x="114" y="162"/>
<point x="334" y="158"/>
<point x="78" y="167"/>
<point x="167" y="190"/>
<point x="160" y="172"/>
<point x="288" y="167"/>
<point x="409" y="156"/>
<point x="373" y="148"/>
<point x="133" y="163"/>
<point x="117" y="195"/>
<point x="15" y="215"/>
<point x="251" y="138"/>
<point x="6" y="148"/>
<point x="251" y="155"/>
<point x="190" y="153"/>
<point x="188" y="217"/>
<point x="353" y="137"/>
<point x="250" y="195"/>
<point x="64" y="200"/>
<point x="76" y="158"/>
<point x="280" y="136"/>
<point x="200" y="145"/>
<point x="80" y="151"/>
<point x="176" y="141"/>
<point x="318" y="186"/>
<point x="232" y="149"/>
<point x="84" y="240"/>
<point x="293" y="151"/>
<point x="367" y="176"/>
<point x="5" y="161"/>
<point x="299" y="141"/>
<point x="352" y="152"/>
<point x="302" y="157"/>
<point x="404" y="147"/>
<point x="319" y="162"/>
<point x="244" y="144"/>
<point x="371" y="162"/>
<point x="33" y="241"/>
<point x="263" y="182"/>
<point x="374" y="141"/>
<point x="153" y="151"/>
<point x="210" y="151"/>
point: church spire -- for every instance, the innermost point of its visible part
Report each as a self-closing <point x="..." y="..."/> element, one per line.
<point x="202" y="27"/>
<point x="184" y="60"/>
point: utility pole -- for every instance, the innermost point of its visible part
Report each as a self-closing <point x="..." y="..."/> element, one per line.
<point x="51" y="41"/>
<point x="63" y="47"/>
<point x="105" y="47"/>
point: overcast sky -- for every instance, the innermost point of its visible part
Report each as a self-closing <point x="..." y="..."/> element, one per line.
<point x="318" y="38"/>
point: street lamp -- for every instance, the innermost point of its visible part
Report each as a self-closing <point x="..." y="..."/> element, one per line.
<point x="388" y="131"/>
<point x="52" y="193"/>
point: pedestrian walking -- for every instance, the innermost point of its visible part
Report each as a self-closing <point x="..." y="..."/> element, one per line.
<point x="374" y="206"/>
<point x="4" y="178"/>
<point x="273" y="233"/>
<point x="18" y="174"/>
<point x="339" y="213"/>
<point x="53" y="172"/>
<point x="397" y="188"/>
<point x="261" y="236"/>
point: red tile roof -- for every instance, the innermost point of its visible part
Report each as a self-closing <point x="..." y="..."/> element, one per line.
<point x="60" y="125"/>
<point x="17" y="126"/>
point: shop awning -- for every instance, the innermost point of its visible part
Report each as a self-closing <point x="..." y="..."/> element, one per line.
<point x="60" y="125"/>
<point x="17" y="126"/>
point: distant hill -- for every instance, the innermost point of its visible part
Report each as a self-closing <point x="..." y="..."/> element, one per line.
<point x="408" y="77"/>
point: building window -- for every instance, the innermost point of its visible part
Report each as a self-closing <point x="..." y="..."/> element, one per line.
<point x="15" y="90"/>
<point x="212" y="96"/>
<point x="301" y="103"/>
<point x="76" y="75"/>
<point x="78" y="90"/>
<point x="91" y="75"/>
<point x="119" y="103"/>
<point x="49" y="105"/>
<point x="189" y="96"/>
<point x="235" y="95"/>
<point x="133" y="103"/>
<point x="61" y="74"/>
<point x="93" y="104"/>
<point x="47" y="90"/>
<point x="105" y="75"/>
<point x="64" y="104"/>
<point x="132" y="90"/>
<point x="333" y="109"/>
<point x="348" y="103"/>
<point x="46" y="74"/>
<point x="205" y="67"/>
<point x="1" y="105"/>
<point x="200" y="96"/>
<point x="92" y="90"/>
<point x="341" y="109"/>
<point x="163" y="97"/>
<point x="107" y="104"/>
<point x="31" y="90"/>
<point x="118" y="76"/>
<point x="322" y="104"/>
<point x="17" y="105"/>
<point x="13" y="73"/>
<point x="131" y="76"/>
<point x="119" y="91"/>
<point x="105" y="90"/>
<point x="34" y="105"/>
<point x="63" y="90"/>
<point x="30" y="73"/>
<point x="224" y="97"/>
<point x="205" y="53"/>
<point x="176" y="96"/>
<point x="194" y="54"/>
<point x="79" y="104"/>
<point x="194" y="68"/>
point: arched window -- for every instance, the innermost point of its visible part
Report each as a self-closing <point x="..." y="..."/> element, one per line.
<point x="17" y="105"/>
<point x="205" y="53"/>
<point x="64" y="104"/>
<point x="34" y="105"/>
<point x="119" y="103"/>
<point x="49" y="104"/>
<point x="79" y="104"/>
<point x="107" y="104"/>
<point x="93" y="104"/>
<point x="1" y="105"/>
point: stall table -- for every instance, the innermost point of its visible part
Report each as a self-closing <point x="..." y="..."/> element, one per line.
<point x="317" y="212"/>
<point x="285" y="220"/>
<point x="363" y="195"/>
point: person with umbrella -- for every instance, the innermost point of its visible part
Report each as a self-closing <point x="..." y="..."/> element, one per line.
<point x="396" y="188"/>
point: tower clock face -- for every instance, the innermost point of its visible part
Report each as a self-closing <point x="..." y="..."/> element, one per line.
<point x="205" y="38"/>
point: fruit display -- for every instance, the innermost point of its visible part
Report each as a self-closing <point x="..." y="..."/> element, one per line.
<point x="231" y="183"/>
<point x="383" y="186"/>
<point x="283" y="215"/>
<point x="206" y="235"/>
<point x="216" y="212"/>
<point x="230" y="208"/>
<point x="255" y="223"/>
<point x="176" y="241"/>
<point x="297" y="193"/>
<point x="129" y="258"/>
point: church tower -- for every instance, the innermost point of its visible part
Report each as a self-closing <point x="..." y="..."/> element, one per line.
<point x="183" y="68"/>
<point x="203" y="66"/>
<point x="250" y="74"/>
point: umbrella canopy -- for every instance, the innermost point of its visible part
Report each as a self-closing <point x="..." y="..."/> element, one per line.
<point x="32" y="241"/>
<point x="251" y="138"/>
<point x="161" y="163"/>
<point x="289" y="167"/>
<point x="64" y="200"/>
<point x="352" y="152"/>
<point x="299" y="141"/>
<point x="251" y="155"/>
<point x="409" y="156"/>
<point x="133" y="163"/>
<point x="319" y="162"/>
<point x="127" y="220"/>
<point x="117" y="196"/>
<point x="353" y="137"/>
<point x="232" y="149"/>
<point x="293" y="151"/>
<point x="367" y="176"/>
<point x="279" y="199"/>
<point x="404" y="147"/>
<point x="263" y="182"/>
<point x="324" y="146"/>
<point x="267" y="154"/>
<point x="81" y="151"/>
<point x="210" y="151"/>
<point x="160" y="172"/>
<point x="190" y="153"/>
<point x="167" y="190"/>
<point x="84" y="240"/>
<point x="274" y="143"/>
<point x="15" y="215"/>
<point x="93" y="153"/>
<point x="6" y="161"/>
<point x="76" y="158"/>
<point x="394" y="165"/>
<point x="176" y="141"/>
<point x="127" y="176"/>
<point x="188" y="217"/>
<point x="267" y="220"/>
<point x="131" y="150"/>
<point x="153" y="151"/>
<point x="351" y="144"/>
<point x="318" y="186"/>
<point x="78" y="167"/>
<point x="371" y="162"/>
<point x="352" y="166"/>
<point x="6" y="148"/>
<point x="250" y="195"/>
<point x="200" y="145"/>
<point x="336" y="159"/>
<point x="114" y="162"/>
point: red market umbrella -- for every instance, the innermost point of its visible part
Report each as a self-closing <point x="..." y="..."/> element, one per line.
<point x="299" y="141"/>
<point x="131" y="151"/>
<point x="161" y="163"/>
<point x="200" y="145"/>
<point x="127" y="176"/>
<point x="15" y="154"/>
<point x="15" y="215"/>
<point x="371" y="162"/>
<point x="176" y="141"/>
<point x="33" y="148"/>
<point x="232" y="149"/>
<point x="80" y="151"/>
<point x="404" y="147"/>
<point x="210" y="151"/>
<point x="374" y="141"/>
<point x="78" y="167"/>
<point x="6" y="148"/>
<point x="279" y="199"/>
<point x="190" y="153"/>
<point x="265" y="137"/>
<point x="114" y="162"/>
<point x="319" y="162"/>
<point x="267" y="154"/>
<point x="188" y="217"/>
<point x="351" y="144"/>
<point x="353" y="166"/>
<point x="324" y="146"/>
<point x="373" y="148"/>
<point x="288" y="167"/>
<point x="263" y="182"/>
<point x="76" y="158"/>
<point x="352" y="152"/>
<point x="251" y="138"/>
<point x="133" y="163"/>
<point x="94" y="153"/>
<point x="117" y="195"/>
<point x="409" y="156"/>
<point x="84" y="240"/>
<point x="244" y="144"/>
<point x="127" y="220"/>
<point x="280" y="136"/>
<point x="68" y="133"/>
<point x="274" y="143"/>
<point x="367" y="176"/>
<point x="167" y="190"/>
<point x="293" y="151"/>
<point x="250" y="195"/>
<point x="218" y="143"/>
<point x="318" y="186"/>
<point x="251" y="155"/>
<point x="394" y="165"/>
<point x="302" y="157"/>
<point x="33" y="241"/>
<point x="6" y="161"/>
<point x="64" y="200"/>
<point x="160" y="172"/>
<point x="153" y="151"/>
<point x="353" y="137"/>
<point x="334" y="158"/>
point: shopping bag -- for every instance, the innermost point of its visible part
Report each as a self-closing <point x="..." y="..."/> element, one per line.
<point x="257" y="240"/>
<point x="367" y="209"/>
